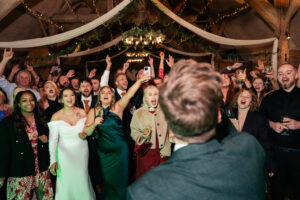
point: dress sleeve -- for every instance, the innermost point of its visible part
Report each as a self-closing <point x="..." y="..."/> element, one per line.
<point x="53" y="141"/>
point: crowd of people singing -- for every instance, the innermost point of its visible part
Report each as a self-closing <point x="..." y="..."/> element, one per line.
<point x="80" y="138"/>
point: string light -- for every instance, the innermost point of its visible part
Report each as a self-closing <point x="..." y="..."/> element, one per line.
<point x="41" y="16"/>
<point x="136" y="60"/>
<point x="96" y="9"/>
<point x="232" y="14"/>
<point x="72" y="10"/>
<point x="137" y="54"/>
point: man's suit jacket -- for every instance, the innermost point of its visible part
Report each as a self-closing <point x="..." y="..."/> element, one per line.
<point x="80" y="104"/>
<point x="229" y="170"/>
<point x="16" y="153"/>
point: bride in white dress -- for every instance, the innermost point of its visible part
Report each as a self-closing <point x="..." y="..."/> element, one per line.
<point x="68" y="153"/>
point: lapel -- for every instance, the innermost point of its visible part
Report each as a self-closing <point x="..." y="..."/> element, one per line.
<point x="94" y="101"/>
<point x="79" y="102"/>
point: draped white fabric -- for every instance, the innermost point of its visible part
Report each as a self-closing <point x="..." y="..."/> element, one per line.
<point x="183" y="52"/>
<point x="69" y="34"/>
<point x="216" y="38"/>
<point x="94" y="50"/>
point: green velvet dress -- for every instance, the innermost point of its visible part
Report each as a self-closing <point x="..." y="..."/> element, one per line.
<point x="112" y="150"/>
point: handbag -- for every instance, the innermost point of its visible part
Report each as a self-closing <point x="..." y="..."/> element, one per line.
<point x="143" y="149"/>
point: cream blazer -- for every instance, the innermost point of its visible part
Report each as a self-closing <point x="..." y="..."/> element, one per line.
<point x="143" y="119"/>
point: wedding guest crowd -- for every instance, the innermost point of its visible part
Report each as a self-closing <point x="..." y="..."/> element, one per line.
<point x="74" y="137"/>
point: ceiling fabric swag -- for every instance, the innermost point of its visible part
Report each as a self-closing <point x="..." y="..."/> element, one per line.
<point x="184" y="53"/>
<point x="61" y="37"/>
<point x="95" y="49"/>
<point x="219" y="39"/>
<point x="112" y="57"/>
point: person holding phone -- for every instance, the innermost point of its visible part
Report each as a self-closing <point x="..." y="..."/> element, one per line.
<point x="105" y="122"/>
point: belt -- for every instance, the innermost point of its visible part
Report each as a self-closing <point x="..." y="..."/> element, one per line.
<point x="288" y="150"/>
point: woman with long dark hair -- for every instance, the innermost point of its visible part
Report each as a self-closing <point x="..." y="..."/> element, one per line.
<point x="24" y="154"/>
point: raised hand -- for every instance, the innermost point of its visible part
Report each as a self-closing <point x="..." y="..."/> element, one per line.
<point x="260" y="65"/>
<point x="170" y="61"/>
<point x="150" y="61"/>
<point x="145" y="78"/>
<point x="108" y="60"/>
<point x="7" y="55"/>
<point x="70" y="73"/>
<point x="236" y="65"/>
<point x="162" y="55"/>
<point x="92" y="73"/>
<point x="125" y="66"/>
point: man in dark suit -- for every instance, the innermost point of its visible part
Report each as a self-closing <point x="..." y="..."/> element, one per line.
<point x="87" y="101"/>
<point x="201" y="166"/>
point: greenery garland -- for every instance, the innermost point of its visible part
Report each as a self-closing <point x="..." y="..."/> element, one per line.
<point x="179" y="33"/>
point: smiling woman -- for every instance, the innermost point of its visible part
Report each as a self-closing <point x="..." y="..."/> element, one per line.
<point x="24" y="142"/>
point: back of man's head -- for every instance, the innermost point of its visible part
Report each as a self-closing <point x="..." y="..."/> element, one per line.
<point x="190" y="97"/>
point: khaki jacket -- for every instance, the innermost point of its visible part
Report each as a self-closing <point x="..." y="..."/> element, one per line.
<point x="143" y="119"/>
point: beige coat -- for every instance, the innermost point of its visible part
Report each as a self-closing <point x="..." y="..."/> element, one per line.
<point x="143" y="119"/>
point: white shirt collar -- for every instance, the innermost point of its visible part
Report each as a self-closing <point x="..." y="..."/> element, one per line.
<point x="120" y="91"/>
<point x="179" y="146"/>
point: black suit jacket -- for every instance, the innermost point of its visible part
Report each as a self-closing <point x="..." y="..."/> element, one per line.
<point x="16" y="153"/>
<point x="80" y="104"/>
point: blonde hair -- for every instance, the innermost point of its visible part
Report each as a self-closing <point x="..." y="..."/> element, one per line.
<point x="146" y="93"/>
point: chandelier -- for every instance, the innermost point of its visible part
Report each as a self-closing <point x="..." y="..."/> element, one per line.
<point x="141" y="38"/>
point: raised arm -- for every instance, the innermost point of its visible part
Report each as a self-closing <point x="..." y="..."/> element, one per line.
<point x="35" y="75"/>
<point x="105" y="77"/>
<point x="161" y="69"/>
<point x="12" y="73"/>
<point x="7" y="55"/>
<point x="123" y="102"/>
<point x="150" y="61"/>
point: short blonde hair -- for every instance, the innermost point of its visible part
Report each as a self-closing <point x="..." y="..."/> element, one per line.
<point x="146" y="93"/>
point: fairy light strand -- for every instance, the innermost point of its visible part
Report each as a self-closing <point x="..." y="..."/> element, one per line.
<point x="72" y="10"/>
<point x="41" y="16"/>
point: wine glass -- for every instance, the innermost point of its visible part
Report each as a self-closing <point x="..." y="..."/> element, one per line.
<point x="285" y="132"/>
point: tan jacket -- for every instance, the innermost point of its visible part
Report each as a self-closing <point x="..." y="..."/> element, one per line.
<point x="143" y="119"/>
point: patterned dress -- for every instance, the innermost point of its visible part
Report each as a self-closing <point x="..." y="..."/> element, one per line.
<point x="23" y="187"/>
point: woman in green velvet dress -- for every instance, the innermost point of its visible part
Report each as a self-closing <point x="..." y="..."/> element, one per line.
<point x="106" y="122"/>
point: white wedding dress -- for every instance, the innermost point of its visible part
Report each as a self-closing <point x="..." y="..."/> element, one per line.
<point x="71" y="154"/>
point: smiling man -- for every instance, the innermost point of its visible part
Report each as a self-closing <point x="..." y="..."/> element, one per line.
<point x="282" y="109"/>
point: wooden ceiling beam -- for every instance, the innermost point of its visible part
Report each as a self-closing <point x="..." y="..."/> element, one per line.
<point x="7" y="6"/>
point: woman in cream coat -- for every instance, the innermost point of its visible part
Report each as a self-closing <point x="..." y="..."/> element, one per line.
<point x="149" y="130"/>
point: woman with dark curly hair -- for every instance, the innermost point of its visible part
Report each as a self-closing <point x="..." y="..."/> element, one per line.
<point x="246" y="118"/>
<point x="24" y="154"/>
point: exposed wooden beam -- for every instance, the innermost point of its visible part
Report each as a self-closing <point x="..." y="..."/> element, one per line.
<point x="71" y="18"/>
<point x="281" y="3"/>
<point x="7" y="6"/>
<point x="267" y="11"/>
<point x="179" y="6"/>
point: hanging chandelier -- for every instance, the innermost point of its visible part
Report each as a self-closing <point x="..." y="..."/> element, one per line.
<point x="141" y="38"/>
